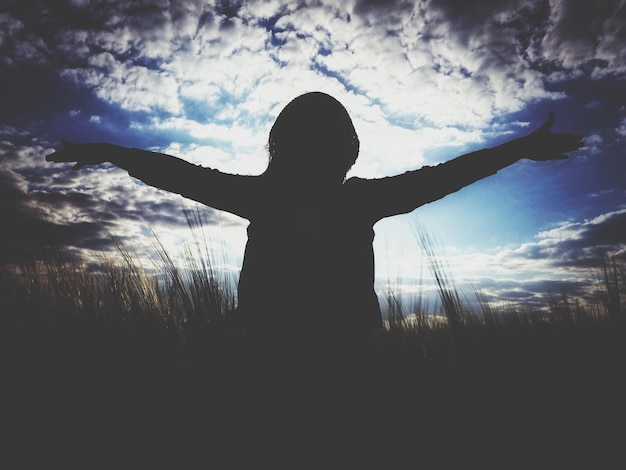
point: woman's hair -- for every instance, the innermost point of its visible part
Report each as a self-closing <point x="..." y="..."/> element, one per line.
<point x="314" y="126"/>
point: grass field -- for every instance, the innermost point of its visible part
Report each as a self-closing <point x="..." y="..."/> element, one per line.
<point x="98" y="363"/>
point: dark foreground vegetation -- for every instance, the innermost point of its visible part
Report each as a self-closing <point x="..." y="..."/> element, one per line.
<point x="119" y="369"/>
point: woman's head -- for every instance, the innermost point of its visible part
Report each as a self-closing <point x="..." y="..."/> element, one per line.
<point x="313" y="134"/>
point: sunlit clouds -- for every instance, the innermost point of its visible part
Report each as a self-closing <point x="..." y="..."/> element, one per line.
<point x="424" y="82"/>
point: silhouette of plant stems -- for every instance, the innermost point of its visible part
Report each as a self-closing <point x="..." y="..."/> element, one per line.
<point x="453" y="307"/>
<point x="506" y="373"/>
<point x="614" y="282"/>
<point x="194" y="303"/>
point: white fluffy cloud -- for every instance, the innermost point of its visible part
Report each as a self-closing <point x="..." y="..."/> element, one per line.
<point x="132" y="87"/>
<point x="412" y="65"/>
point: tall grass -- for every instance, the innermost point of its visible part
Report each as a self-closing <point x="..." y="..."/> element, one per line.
<point x="190" y="300"/>
<point x="464" y="379"/>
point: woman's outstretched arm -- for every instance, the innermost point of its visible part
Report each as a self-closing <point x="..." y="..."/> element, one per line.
<point x="211" y="187"/>
<point x="404" y="193"/>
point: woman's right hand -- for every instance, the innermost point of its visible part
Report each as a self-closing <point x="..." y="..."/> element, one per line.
<point x="83" y="154"/>
<point x="542" y="144"/>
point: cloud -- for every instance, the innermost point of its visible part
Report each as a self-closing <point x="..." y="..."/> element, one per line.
<point x="204" y="81"/>
<point x="407" y="64"/>
<point x="143" y="50"/>
<point x="621" y="130"/>
<point x="27" y="232"/>
<point x="46" y="207"/>
<point x="566" y="259"/>
<point x="132" y="87"/>
<point x="587" y="35"/>
<point x="577" y="245"/>
<point x="18" y="45"/>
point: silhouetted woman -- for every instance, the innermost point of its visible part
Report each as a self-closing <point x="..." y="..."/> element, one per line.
<point x="308" y="268"/>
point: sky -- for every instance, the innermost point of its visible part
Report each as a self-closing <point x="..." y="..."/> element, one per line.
<point x="424" y="81"/>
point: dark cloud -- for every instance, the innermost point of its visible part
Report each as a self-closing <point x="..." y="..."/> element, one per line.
<point x="29" y="232"/>
<point x="610" y="230"/>
<point x="588" y="36"/>
<point x="581" y="245"/>
<point x="19" y="44"/>
<point x="534" y="295"/>
<point x="596" y="239"/>
<point x="228" y="8"/>
<point x="26" y="232"/>
<point x="554" y="38"/>
<point x="382" y="8"/>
